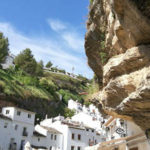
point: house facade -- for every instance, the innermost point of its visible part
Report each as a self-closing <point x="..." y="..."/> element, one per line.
<point x="122" y="135"/>
<point x="17" y="130"/>
<point x="76" y="136"/>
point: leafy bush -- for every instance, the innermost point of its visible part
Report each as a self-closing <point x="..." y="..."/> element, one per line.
<point x="103" y="57"/>
<point x="67" y="95"/>
<point x="68" y="113"/>
<point x="48" y="85"/>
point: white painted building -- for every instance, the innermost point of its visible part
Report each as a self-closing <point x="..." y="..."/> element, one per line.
<point x="53" y="139"/>
<point x="19" y="129"/>
<point x="88" y="120"/>
<point x="76" y="136"/>
<point x="122" y="135"/>
<point x="5" y="132"/>
<point x="89" y="116"/>
<point x="9" y="61"/>
<point x="74" y="105"/>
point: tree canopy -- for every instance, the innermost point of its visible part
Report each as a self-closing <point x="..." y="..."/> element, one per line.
<point x="49" y="64"/>
<point x="26" y="61"/>
<point x="3" y="47"/>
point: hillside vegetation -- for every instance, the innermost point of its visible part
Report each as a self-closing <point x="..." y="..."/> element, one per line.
<point x="29" y="84"/>
<point x="48" y="94"/>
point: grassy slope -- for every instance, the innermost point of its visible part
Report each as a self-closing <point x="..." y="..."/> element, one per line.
<point x="27" y="92"/>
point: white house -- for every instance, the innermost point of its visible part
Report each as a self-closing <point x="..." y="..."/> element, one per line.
<point x="74" y="105"/>
<point x="9" y="61"/>
<point x="51" y="140"/>
<point x="89" y="120"/>
<point x="5" y="132"/>
<point x="122" y="135"/>
<point x="21" y="126"/>
<point x="76" y="136"/>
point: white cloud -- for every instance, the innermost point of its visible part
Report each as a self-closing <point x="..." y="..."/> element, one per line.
<point x="68" y="33"/>
<point x="74" y="41"/>
<point x="56" y="25"/>
<point x="48" y="49"/>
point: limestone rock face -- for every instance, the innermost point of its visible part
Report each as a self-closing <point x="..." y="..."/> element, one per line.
<point x="124" y="78"/>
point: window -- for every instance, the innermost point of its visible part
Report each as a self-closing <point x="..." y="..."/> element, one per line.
<point x="16" y="127"/>
<point x="55" y="137"/>
<point x="72" y="148"/>
<point x="38" y="139"/>
<point x="29" y="115"/>
<point x="87" y="129"/>
<point x="24" y="133"/>
<point x="5" y="125"/>
<point x="92" y="130"/>
<point x="73" y="136"/>
<point x="7" y="111"/>
<point x="79" y="148"/>
<point x="95" y="141"/>
<point x="51" y="136"/>
<point x="24" y="129"/>
<point x="50" y="148"/>
<point x="79" y="137"/>
<point x="18" y="113"/>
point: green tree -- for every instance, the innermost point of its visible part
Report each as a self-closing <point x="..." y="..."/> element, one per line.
<point x="49" y="64"/>
<point x="26" y="61"/>
<point x="39" y="68"/>
<point x="3" y="47"/>
<point x="68" y="113"/>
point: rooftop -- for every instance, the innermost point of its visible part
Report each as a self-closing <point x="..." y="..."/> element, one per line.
<point x="51" y="130"/>
<point x="21" y="109"/>
<point x="74" y="125"/>
<point x="5" y="117"/>
<point x="37" y="134"/>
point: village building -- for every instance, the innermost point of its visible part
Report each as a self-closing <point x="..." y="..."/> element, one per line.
<point x="84" y="131"/>
<point x="9" y="61"/>
<point x="17" y="125"/>
<point x="76" y="136"/>
<point x="122" y="135"/>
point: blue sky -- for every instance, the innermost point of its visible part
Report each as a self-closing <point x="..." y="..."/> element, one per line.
<point x="53" y="29"/>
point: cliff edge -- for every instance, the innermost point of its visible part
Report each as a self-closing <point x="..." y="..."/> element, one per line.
<point x="117" y="45"/>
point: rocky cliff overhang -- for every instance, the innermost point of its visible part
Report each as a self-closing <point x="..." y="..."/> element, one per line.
<point x="125" y="76"/>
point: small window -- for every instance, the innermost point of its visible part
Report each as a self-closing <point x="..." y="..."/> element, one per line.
<point x="79" y="137"/>
<point x="73" y="136"/>
<point x="5" y="125"/>
<point x="38" y="139"/>
<point x="24" y="129"/>
<point x="16" y="127"/>
<point x="55" y="137"/>
<point x="50" y="148"/>
<point x="92" y="130"/>
<point x="18" y="113"/>
<point x="72" y="148"/>
<point x="87" y="129"/>
<point x="79" y="148"/>
<point x="95" y="141"/>
<point x="29" y="115"/>
<point x="7" y="111"/>
<point x="51" y="136"/>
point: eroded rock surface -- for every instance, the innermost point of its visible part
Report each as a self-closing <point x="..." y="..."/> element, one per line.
<point x="124" y="78"/>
